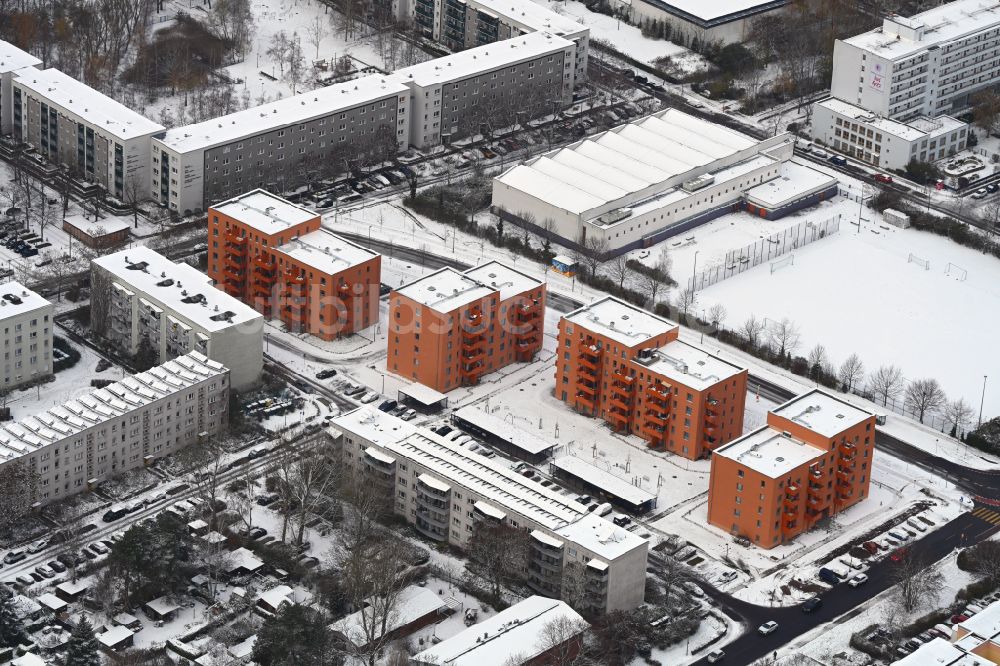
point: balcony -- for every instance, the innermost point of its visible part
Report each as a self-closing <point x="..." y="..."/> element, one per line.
<point x="430" y="530"/>
<point x="617" y="418"/>
<point x="588" y="401"/>
<point x="589" y="360"/>
<point x="847" y="451"/>
<point x="661" y="419"/>
<point x="235" y="242"/>
<point x="659" y="393"/>
<point x="470" y="374"/>
<point x="233" y="263"/>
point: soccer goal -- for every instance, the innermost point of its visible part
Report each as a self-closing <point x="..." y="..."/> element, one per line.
<point x="956" y="271"/>
<point x="923" y="263"/>
<point x="787" y="260"/>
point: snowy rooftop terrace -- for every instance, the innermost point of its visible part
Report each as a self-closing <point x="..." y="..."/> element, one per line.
<point x="281" y="113"/>
<point x="688" y="365"/>
<point x="267" y="213"/>
<point x="373" y="425"/>
<point x="82" y="101"/>
<point x="179" y="289"/>
<point x="503" y="278"/>
<point x="520" y="630"/>
<point x="13" y="58"/>
<point x="16" y="299"/>
<point x="822" y="413"/>
<point x="620" y="321"/>
<point x="35" y="432"/>
<point x="769" y="452"/>
<point x="602" y="537"/>
<point x="796" y="181"/>
<point x="326" y="252"/>
<point x="445" y="290"/>
<point x="482" y="59"/>
<point x="531" y="15"/>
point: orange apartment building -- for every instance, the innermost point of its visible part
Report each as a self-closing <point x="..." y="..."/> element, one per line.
<point x="626" y="366"/>
<point x="811" y="461"/>
<point x="449" y="328"/>
<point x="273" y="255"/>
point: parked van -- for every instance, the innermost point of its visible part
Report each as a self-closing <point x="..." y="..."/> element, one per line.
<point x="604" y="509"/>
<point x="14" y="556"/>
<point x="828" y="576"/>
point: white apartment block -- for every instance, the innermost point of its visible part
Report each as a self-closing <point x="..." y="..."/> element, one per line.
<point x="882" y="142"/>
<point x="26" y="323"/>
<point x="451" y="96"/>
<point x="70" y="123"/>
<point x="925" y="65"/>
<point x="74" y="447"/>
<point x="12" y="60"/>
<point x="444" y="490"/>
<point x="138" y="293"/>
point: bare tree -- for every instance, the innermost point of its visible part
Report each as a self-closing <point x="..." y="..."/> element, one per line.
<point x="560" y="639"/>
<point x="296" y="61"/>
<point x="717" y="315"/>
<point x="918" y="582"/>
<point x="851" y="372"/>
<point x="500" y="550"/>
<point x="619" y="270"/>
<point x="984" y="559"/>
<point x="278" y="49"/>
<point x="592" y="253"/>
<point x="886" y="383"/>
<point x="924" y="396"/>
<point x="784" y="337"/>
<point x="18" y="490"/>
<point x="686" y="299"/>
<point x="818" y="359"/>
<point x="752" y="329"/>
<point x="959" y="415"/>
<point x="315" y="32"/>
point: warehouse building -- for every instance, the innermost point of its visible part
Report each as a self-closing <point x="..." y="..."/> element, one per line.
<point x="703" y="21"/>
<point x="12" y="61"/>
<point x="26" y="321"/>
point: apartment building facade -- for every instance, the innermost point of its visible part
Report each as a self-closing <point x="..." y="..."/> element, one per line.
<point x="488" y="87"/>
<point x="448" y="329"/>
<point x="70" y="123"/>
<point x="12" y="61"/>
<point x="274" y="256"/>
<point x="280" y="145"/>
<point x="626" y="366"/>
<point x="138" y="294"/>
<point x="812" y="460"/>
<point x="446" y="491"/>
<point x="27" y="326"/>
<point x="74" y="447"/>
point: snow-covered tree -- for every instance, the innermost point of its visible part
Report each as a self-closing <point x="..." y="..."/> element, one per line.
<point x="82" y="647"/>
<point x="12" y="631"/>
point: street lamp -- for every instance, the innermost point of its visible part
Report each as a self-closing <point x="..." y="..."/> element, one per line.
<point x="981" y="401"/>
<point x="694" y="269"/>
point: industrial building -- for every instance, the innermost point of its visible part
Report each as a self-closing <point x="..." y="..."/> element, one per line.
<point x="446" y="490"/>
<point x="812" y="460"/>
<point x="638" y="183"/>
<point x="626" y="366"/>
<point x="274" y="255"/>
<point x="12" y="61"/>
<point x="703" y="21"/>
<point x="447" y="329"/>
<point x="26" y="320"/>
<point x="138" y="294"/>
<point x="126" y="425"/>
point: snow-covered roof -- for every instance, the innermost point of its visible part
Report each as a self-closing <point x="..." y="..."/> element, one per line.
<point x="482" y="59"/>
<point x="281" y="113"/>
<point x="514" y="436"/>
<point x="489" y="510"/>
<point x="716" y="11"/>
<point x="796" y="181"/>
<point x="619" y="321"/>
<point x="508" y="281"/>
<point x="52" y="602"/>
<point x="604" y="480"/>
<point x="125" y="618"/>
<point x="445" y="290"/>
<point x="180" y="289"/>
<point x="106" y="225"/>
<point x="938" y="652"/>
<point x="602" y="537"/>
<point x="520" y="630"/>
<point x="59" y="423"/>
<point x="893" y="127"/>
<point x="276" y="596"/>
<point x="13" y="58"/>
<point x="71" y="588"/>
<point x="23" y="606"/>
<point x="115" y="635"/>
<point x="243" y="650"/>
<point x="325" y="252"/>
<point x="822" y="413"/>
<point x="625" y="160"/>
<point x="373" y="425"/>
<point x="162" y="606"/>
<point x="425" y="395"/>
<point x="530" y="16"/>
<point x="412" y="604"/>
<point x="265" y="212"/>
<point x="197" y="524"/>
<point x="28" y="659"/>
<point x="241" y="558"/>
<point x="80" y="100"/>
<point x="769" y="451"/>
<point x="985" y="624"/>
<point x="688" y="365"/>
<point x="16" y="300"/>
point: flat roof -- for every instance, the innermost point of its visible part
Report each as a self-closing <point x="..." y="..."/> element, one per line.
<point x="178" y="288"/>
<point x="625" y="160"/>
<point x="520" y="629"/>
<point x="445" y="290"/>
<point x="412" y="603"/>
<point x="16" y="300"/>
<point x="532" y="15"/>
<point x="425" y="395"/>
<point x="373" y="425"/>
<point x="822" y="413"/>
<point x="281" y="113"/>
<point x="326" y="252"/>
<point x="937" y="652"/>
<point x="482" y="59"/>
<point x="711" y="10"/>
<point x="267" y="213"/>
<point x="162" y="606"/>
<point x="242" y="558"/>
<point x="604" y="480"/>
<point x="620" y="321"/>
<point x="602" y="537"/>
<point x="508" y="281"/>
<point x="115" y="635"/>
<point x="769" y="451"/>
<point x="986" y="623"/>
<point x="893" y="127"/>
<point x="689" y="365"/>
<point x="508" y="432"/>
<point x="107" y="225"/>
<point x="796" y="180"/>
<point x="13" y="58"/>
<point x="84" y="102"/>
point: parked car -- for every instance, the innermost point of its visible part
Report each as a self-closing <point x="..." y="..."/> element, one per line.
<point x="326" y="374"/>
<point x="25" y="580"/>
<point x="38" y="546"/>
<point x="694" y="589"/>
<point x="409" y="415"/>
<point x="883" y="178"/>
<point x="387" y="405"/>
<point x="99" y="548"/>
<point x="621" y="521"/>
<point x="980" y="193"/>
<point x="858" y="580"/>
<point x="14" y="556"/>
<point x="811" y="604"/>
<point x="992" y="187"/>
<point x="727" y="576"/>
<point x="871" y="547"/>
<point x="839" y="160"/>
<point x="45" y="572"/>
<point x="583" y="499"/>
<point x="369" y="398"/>
<point x="768" y="627"/>
<point x="715" y="656"/>
<point x="828" y="576"/>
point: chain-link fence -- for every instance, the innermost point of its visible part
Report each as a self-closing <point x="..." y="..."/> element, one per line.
<point x="766" y="249"/>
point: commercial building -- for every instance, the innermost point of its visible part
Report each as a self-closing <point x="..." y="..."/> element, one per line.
<point x="273" y="255"/>
<point x="703" y="21"/>
<point x="280" y="145"/>
<point x="26" y="322"/>
<point x="70" y="123"/>
<point x="798" y="187"/>
<point x="973" y="642"/>
<point x="488" y="87"/>
<point x="108" y="233"/>
<point x="810" y="461"/>
<point x="138" y="294"/>
<point x="12" y="61"/>
<point x="76" y="446"/>
<point x="517" y="636"/>
<point x="626" y="366"/>
<point x="446" y="491"/>
<point x="638" y="183"/>
<point x="447" y="329"/>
